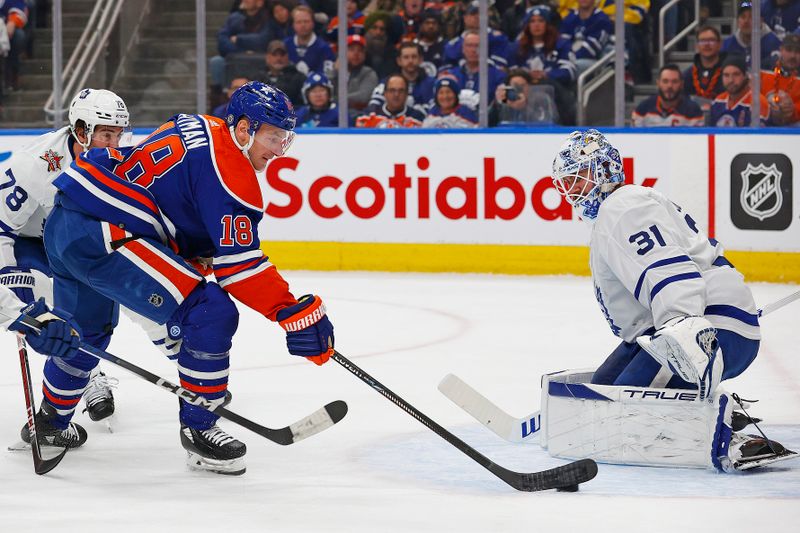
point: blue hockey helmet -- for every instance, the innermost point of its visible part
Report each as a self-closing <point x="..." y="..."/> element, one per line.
<point x="261" y="104"/>
<point x="586" y="170"/>
<point x="315" y="79"/>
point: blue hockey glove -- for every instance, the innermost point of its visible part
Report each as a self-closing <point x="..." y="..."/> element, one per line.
<point x="59" y="335"/>
<point x="309" y="333"/>
<point x="21" y="281"/>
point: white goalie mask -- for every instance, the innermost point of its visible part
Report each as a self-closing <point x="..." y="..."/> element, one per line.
<point x="586" y="170"/>
<point x="98" y="107"/>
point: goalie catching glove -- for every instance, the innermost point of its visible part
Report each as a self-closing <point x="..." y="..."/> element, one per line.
<point x="58" y="335"/>
<point x="309" y="333"/>
<point x="688" y="346"/>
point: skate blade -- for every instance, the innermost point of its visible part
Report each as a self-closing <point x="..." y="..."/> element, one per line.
<point x="231" y="467"/>
<point x="756" y="463"/>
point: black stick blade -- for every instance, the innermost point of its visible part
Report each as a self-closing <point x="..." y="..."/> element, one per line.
<point x="43" y="466"/>
<point x="566" y="477"/>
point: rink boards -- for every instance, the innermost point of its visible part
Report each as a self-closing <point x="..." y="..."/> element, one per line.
<point x="484" y="202"/>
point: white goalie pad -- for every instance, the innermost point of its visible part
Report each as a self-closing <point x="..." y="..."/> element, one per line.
<point x="632" y="425"/>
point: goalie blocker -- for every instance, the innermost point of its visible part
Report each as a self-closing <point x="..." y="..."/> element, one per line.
<point x="646" y="426"/>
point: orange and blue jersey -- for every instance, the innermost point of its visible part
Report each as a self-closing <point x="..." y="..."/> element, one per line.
<point x="191" y="188"/>
<point x="14" y="11"/>
<point x="725" y="114"/>
<point x="653" y="113"/>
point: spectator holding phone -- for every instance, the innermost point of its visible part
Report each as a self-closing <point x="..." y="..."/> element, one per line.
<point x="521" y="102"/>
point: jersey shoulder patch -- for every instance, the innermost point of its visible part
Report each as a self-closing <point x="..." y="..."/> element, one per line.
<point x="234" y="171"/>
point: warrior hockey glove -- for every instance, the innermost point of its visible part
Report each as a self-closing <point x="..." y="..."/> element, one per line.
<point x="309" y="333"/>
<point x="59" y="335"/>
<point x="688" y="347"/>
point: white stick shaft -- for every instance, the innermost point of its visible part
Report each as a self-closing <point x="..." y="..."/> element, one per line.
<point x="774" y="306"/>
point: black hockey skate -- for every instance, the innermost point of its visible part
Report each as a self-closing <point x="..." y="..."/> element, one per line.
<point x="98" y="397"/>
<point x="752" y="451"/>
<point x="49" y="435"/>
<point x="213" y="450"/>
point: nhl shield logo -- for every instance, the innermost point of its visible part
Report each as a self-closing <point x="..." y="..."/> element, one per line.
<point x="761" y="195"/>
<point x="156" y="300"/>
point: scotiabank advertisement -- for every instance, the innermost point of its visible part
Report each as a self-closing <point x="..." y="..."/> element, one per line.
<point x="439" y="188"/>
<point x="495" y="188"/>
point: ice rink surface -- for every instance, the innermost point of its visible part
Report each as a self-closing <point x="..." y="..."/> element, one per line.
<point x="380" y="470"/>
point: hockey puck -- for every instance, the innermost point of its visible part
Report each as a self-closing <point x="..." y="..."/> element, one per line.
<point x="568" y="488"/>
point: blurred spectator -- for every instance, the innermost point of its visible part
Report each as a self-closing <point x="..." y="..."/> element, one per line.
<point x="704" y="78"/>
<point x="512" y="19"/>
<point x="670" y="107"/>
<point x="431" y="41"/>
<point x="245" y="32"/>
<point x="221" y="110"/>
<point x="636" y="32"/>
<point x="521" y="103"/>
<point x="13" y="18"/>
<point x="739" y="42"/>
<point x="446" y="111"/>
<point x="280" y="22"/>
<point x="405" y="24"/>
<point x="468" y="75"/>
<point x="731" y="109"/>
<point x="498" y="43"/>
<point x="308" y="52"/>
<point x="781" y="85"/>
<point x="320" y="110"/>
<point x="783" y="16"/>
<point x="281" y="73"/>
<point x="361" y="79"/>
<point x="389" y="6"/>
<point x="381" y="53"/>
<point x="355" y="23"/>
<point x="394" y="113"/>
<point x="420" y="85"/>
<point x="589" y="30"/>
<point x="547" y="57"/>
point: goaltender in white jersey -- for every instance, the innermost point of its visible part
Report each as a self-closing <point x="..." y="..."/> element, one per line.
<point x="686" y="319"/>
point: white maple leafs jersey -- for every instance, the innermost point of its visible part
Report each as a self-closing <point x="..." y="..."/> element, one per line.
<point x="650" y="263"/>
<point x="26" y="189"/>
<point x="26" y="199"/>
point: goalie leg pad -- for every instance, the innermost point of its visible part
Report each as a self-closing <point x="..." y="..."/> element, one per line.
<point x="632" y="425"/>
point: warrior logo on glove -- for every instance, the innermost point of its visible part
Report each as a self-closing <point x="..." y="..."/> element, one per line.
<point x="309" y="332"/>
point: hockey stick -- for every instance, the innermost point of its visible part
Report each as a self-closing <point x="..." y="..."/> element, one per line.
<point x="40" y="465"/>
<point x="566" y="477"/>
<point x="774" y="306"/>
<point x="518" y="430"/>
<point x="487" y="413"/>
<point x="317" y="421"/>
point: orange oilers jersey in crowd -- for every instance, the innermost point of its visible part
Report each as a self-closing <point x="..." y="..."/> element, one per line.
<point x="189" y="186"/>
<point x="774" y="81"/>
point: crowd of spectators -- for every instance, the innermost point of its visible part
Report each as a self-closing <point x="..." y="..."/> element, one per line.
<point x="15" y="41"/>
<point x="716" y="90"/>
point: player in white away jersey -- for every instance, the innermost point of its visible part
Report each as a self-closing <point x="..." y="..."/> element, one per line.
<point x="97" y="119"/>
<point x="684" y="314"/>
<point x="661" y="283"/>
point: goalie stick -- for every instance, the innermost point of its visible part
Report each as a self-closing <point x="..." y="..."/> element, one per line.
<point x="319" y="420"/>
<point x="487" y="413"/>
<point x="566" y="477"/>
<point x="522" y="429"/>
<point x="40" y="464"/>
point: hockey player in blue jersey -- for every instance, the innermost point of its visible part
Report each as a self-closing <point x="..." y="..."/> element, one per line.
<point x="139" y="226"/>
<point x="684" y="314"/>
